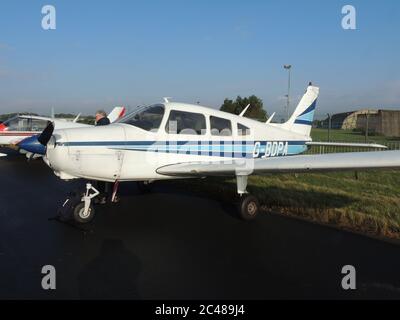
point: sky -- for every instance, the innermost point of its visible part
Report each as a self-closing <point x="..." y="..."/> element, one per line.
<point x="107" y="53"/>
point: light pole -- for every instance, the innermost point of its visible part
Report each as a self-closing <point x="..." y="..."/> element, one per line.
<point x="289" y="68"/>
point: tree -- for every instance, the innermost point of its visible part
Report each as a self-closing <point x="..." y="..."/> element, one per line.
<point x="255" y="111"/>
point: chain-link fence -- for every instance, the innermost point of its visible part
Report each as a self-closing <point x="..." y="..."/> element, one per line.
<point x="364" y="126"/>
<point x="391" y="145"/>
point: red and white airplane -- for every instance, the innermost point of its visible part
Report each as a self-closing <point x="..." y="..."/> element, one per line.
<point x="20" y="127"/>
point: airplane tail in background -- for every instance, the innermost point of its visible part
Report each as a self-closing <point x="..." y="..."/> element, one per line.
<point x="303" y="116"/>
<point x="116" y="113"/>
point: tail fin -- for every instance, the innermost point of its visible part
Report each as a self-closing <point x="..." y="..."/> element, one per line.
<point x="116" y="113"/>
<point x="302" y="118"/>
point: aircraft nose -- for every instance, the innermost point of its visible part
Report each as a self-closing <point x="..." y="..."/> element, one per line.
<point x="32" y="144"/>
<point x="57" y="156"/>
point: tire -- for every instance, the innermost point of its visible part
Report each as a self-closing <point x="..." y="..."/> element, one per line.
<point x="144" y="187"/>
<point x="249" y="207"/>
<point x="80" y="217"/>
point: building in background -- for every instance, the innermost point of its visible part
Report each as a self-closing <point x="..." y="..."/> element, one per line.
<point x="380" y="122"/>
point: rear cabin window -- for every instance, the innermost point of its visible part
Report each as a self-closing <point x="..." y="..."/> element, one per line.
<point x="243" y="130"/>
<point x="220" y="127"/>
<point x="182" y="122"/>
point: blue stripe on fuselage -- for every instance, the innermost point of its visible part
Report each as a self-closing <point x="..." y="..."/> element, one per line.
<point x="147" y="143"/>
<point x="230" y="149"/>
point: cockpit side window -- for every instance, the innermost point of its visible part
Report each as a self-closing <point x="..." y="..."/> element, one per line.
<point x="182" y="122"/>
<point x="220" y="127"/>
<point x="147" y="118"/>
<point x="243" y="130"/>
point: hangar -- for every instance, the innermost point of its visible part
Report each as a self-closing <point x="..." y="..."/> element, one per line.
<point x="382" y="122"/>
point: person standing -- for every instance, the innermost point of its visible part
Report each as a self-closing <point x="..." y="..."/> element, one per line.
<point x="101" y="118"/>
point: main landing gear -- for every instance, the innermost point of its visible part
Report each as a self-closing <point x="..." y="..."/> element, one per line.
<point x="249" y="206"/>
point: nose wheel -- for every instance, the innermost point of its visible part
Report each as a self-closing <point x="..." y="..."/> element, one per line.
<point x="81" y="215"/>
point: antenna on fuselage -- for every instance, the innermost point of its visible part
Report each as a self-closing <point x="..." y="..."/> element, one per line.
<point x="166" y="99"/>
<point x="270" y="118"/>
<point x="77" y="117"/>
<point x="244" y="111"/>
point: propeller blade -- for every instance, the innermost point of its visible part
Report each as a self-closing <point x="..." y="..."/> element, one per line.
<point x="46" y="134"/>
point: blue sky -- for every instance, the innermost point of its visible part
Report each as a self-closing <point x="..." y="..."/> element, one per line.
<point x="106" y="53"/>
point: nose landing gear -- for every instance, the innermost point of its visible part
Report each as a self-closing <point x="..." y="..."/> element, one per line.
<point x="84" y="211"/>
<point x="79" y="207"/>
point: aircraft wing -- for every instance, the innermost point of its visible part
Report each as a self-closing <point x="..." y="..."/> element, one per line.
<point x="300" y="163"/>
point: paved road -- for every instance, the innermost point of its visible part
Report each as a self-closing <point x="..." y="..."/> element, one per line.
<point x="169" y="245"/>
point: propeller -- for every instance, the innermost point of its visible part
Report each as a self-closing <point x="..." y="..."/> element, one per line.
<point x="45" y="136"/>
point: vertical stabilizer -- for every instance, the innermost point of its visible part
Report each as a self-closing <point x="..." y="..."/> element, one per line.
<point x="116" y="113"/>
<point x="303" y="116"/>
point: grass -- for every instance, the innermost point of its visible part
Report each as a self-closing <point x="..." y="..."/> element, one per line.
<point x="369" y="204"/>
<point x="348" y="135"/>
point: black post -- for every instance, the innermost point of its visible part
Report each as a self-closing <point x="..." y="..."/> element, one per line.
<point x="366" y="127"/>
<point x="329" y="127"/>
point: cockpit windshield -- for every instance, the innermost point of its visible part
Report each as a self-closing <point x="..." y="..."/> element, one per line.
<point x="147" y="118"/>
<point x="17" y="124"/>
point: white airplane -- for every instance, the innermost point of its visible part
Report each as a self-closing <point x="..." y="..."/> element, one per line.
<point x="20" y="127"/>
<point x="176" y="140"/>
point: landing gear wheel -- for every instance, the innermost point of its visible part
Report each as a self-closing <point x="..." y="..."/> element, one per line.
<point x="248" y="207"/>
<point x="79" y="213"/>
<point x="144" y="187"/>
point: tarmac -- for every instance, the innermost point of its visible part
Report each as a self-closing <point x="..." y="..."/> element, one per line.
<point x="169" y="245"/>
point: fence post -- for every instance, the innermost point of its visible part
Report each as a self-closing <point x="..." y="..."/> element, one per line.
<point x="329" y="127"/>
